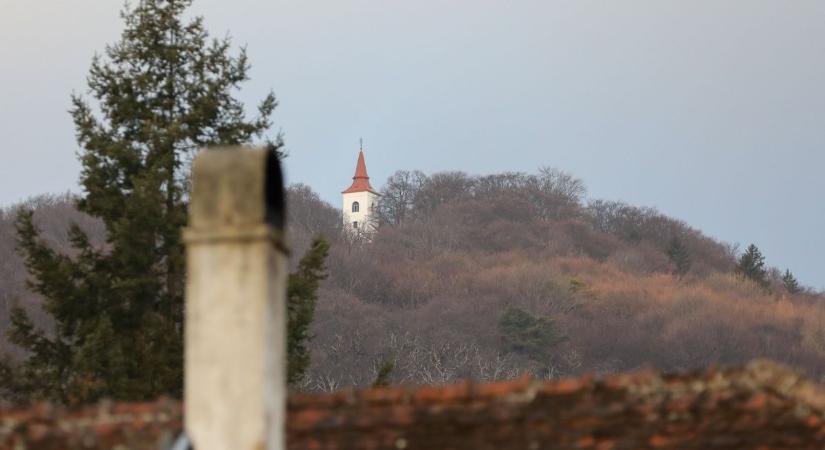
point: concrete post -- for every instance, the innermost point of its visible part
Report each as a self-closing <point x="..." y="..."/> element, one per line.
<point x="235" y="385"/>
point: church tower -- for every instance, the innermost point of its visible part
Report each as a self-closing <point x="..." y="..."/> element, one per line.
<point x="360" y="201"/>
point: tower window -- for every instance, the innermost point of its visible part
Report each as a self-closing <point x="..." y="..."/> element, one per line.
<point x="355" y="224"/>
<point x="355" y="207"/>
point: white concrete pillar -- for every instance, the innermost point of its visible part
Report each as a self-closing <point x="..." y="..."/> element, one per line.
<point x="235" y="360"/>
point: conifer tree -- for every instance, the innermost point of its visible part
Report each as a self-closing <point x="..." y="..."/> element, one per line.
<point x="382" y="378"/>
<point x="790" y="282"/>
<point x="679" y="255"/>
<point x="531" y="336"/>
<point x="302" y="294"/>
<point x="162" y="91"/>
<point x="752" y="266"/>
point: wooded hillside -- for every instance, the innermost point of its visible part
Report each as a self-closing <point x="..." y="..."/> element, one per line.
<point x="488" y="277"/>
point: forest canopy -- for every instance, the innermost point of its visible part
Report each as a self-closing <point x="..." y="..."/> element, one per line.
<point x="458" y="259"/>
<point x="605" y="287"/>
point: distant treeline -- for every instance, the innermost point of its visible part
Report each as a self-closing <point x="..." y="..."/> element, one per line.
<point x="487" y="277"/>
<point x="490" y="276"/>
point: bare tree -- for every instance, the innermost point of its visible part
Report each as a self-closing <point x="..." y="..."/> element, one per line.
<point x="307" y="212"/>
<point x="442" y="188"/>
<point x="398" y="195"/>
<point x="557" y="182"/>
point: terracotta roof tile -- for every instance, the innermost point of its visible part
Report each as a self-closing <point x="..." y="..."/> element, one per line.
<point x="758" y="406"/>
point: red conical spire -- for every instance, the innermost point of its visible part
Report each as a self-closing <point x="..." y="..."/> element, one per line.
<point x="361" y="181"/>
<point x="361" y="167"/>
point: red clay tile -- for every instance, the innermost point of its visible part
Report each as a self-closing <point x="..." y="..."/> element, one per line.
<point x="721" y="408"/>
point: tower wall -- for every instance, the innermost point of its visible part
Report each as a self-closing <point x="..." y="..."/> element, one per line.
<point x="365" y="217"/>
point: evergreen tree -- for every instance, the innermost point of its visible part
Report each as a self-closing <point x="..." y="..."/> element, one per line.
<point x="382" y="378"/>
<point x="531" y="336"/>
<point x="790" y="283"/>
<point x="302" y="294"/>
<point x="752" y="266"/>
<point x="162" y="91"/>
<point x="679" y="255"/>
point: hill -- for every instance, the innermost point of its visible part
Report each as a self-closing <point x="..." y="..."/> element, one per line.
<point x="487" y="277"/>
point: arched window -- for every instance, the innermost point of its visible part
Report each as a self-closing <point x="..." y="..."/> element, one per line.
<point x="355" y="206"/>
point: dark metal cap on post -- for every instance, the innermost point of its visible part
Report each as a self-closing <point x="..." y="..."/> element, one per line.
<point x="236" y="187"/>
<point x="235" y="385"/>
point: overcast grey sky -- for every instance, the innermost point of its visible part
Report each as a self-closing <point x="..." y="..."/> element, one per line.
<point x="712" y="111"/>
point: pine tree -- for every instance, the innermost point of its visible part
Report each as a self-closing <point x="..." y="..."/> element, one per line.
<point x="302" y="294"/>
<point x="679" y="255"/>
<point x="162" y="91"/>
<point x="752" y="266"/>
<point x="382" y="378"/>
<point x="790" y="283"/>
<point x="531" y="336"/>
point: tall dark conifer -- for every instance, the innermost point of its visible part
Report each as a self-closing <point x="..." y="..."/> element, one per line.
<point x="161" y="92"/>
<point x="302" y="294"/>
<point x="790" y="282"/>
<point x="529" y="335"/>
<point x="752" y="266"/>
<point x="679" y="255"/>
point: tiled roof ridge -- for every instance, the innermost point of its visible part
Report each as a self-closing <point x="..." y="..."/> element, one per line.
<point x="757" y="374"/>
<point x="107" y="424"/>
<point x="760" y="405"/>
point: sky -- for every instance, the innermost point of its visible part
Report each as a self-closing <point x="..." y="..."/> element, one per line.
<point x="710" y="111"/>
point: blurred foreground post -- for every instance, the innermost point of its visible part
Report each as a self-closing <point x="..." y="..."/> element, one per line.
<point x="235" y="385"/>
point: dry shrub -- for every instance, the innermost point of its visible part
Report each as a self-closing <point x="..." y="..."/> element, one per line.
<point x="642" y="258"/>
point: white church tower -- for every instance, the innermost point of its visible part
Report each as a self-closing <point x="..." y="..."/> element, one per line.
<point x="360" y="201"/>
